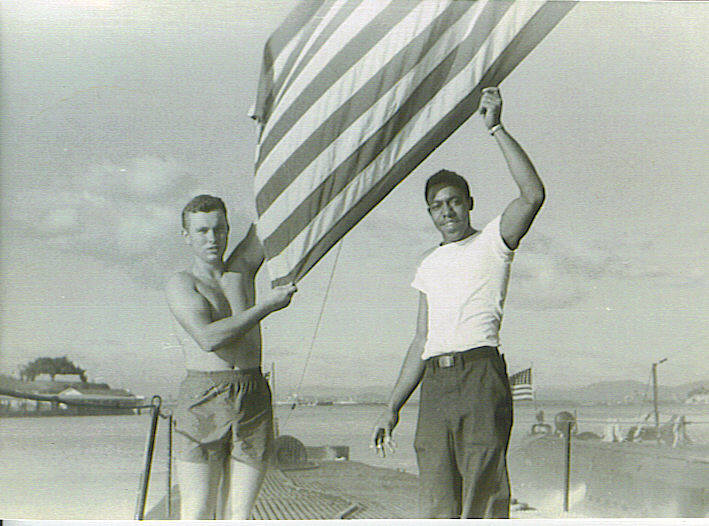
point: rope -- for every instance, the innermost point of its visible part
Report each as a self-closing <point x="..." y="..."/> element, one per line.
<point x="317" y="327"/>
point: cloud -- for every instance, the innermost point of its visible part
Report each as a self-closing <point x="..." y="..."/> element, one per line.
<point x="548" y="273"/>
<point x="540" y="281"/>
<point x="125" y="214"/>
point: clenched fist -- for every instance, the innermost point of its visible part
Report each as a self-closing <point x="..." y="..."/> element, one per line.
<point x="280" y="297"/>
<point x="491" y="106"/>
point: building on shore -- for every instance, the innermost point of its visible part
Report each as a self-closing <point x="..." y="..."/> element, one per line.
<point x="65" y="387"/>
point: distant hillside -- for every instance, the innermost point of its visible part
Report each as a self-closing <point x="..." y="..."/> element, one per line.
<point x="618" y="391"/>
<point x="364" y="393"/>
<point x="610" y="392"/>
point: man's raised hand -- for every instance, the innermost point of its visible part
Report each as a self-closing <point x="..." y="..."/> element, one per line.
<point x="491" y="106"/>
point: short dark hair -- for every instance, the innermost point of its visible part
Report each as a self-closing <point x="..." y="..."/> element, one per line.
<point x="447" y="178"/>
<point x="202" y="203"/>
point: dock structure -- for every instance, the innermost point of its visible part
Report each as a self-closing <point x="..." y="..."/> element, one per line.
<point x="375" y="493"/>
<point x="281" y="497"/>
<point x="327" y="490"/>
<point x="614" y="479"/>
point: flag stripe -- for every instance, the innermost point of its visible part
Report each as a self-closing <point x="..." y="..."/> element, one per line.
<point x="521" y="383"/>
<point x="281" y="49"/>
<point x="305" y="38"/>
<point x="279" y="265"/>
<point x="352" y="25"/>
<point x="434" y="136"/>
<point x="284" y="35"/>
<point x="331" y="62"/>
<point x="308" y="243"/>
<point x="278" y="93"/>
<point x="388" y="110"/>
<point x="322" y="24"/>
<point x="356" y="81"/>
<point x="358" y="104"/>
<point x="359" y="128"/>
<point x="337" y="59"/>
<point x="459" y="63"/>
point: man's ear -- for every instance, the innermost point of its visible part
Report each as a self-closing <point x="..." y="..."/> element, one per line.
<point x="185" y="236"/>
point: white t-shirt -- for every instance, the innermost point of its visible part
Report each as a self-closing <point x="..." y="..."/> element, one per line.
<point x="465" y="283"/>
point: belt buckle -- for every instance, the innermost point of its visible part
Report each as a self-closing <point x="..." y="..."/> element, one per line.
<point x="447" y="360"/>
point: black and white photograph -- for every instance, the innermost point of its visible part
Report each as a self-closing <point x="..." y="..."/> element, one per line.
<point x="353" y="259"/>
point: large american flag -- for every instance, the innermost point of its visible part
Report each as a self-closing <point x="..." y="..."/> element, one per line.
<point x="354" y="94"/>
<point x="521" y="384"/>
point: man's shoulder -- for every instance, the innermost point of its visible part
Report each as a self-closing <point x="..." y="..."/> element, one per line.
<point x="181" y="280"/>
<point x="485" y="235"/>
<point x="493" y="224"/>
<point x="423" y="256"/>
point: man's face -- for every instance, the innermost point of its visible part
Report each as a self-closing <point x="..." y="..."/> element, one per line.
<point x="207" y="234"/>
<point x="449" y="207"/>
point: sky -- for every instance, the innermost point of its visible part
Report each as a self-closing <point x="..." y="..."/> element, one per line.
<point x="113" y="114"/>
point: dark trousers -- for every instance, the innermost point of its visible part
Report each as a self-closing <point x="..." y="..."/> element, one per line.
<point x="465" y="418"/>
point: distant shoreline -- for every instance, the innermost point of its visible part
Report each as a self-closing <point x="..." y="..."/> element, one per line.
<point x="286" y="404"/>
<point x="559" y="402"/>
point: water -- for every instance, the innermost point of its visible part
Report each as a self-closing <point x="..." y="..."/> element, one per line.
<point x="352" y="425"/>
<point x="89" y="467"/>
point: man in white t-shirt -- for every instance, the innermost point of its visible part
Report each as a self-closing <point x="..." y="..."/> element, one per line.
<point x="465" y="410"/>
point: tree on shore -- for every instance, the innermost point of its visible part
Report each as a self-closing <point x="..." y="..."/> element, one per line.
<point x="52" y="367"/>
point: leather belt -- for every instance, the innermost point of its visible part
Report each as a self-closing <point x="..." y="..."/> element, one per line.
<point x="443" y="361"/>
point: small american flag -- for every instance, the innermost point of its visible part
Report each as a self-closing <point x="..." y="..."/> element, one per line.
<point x="521" y="384"/>
<point x="354" y="94"/>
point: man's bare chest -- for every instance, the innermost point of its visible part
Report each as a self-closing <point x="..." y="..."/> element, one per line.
<point x="232" y="293"/>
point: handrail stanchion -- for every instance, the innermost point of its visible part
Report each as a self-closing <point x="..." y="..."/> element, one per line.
<point x="169" y="465"/>
<point x="567" y="463"/>
<point x="149" y="447"/>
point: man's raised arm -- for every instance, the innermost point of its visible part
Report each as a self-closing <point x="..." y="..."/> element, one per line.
<point x="519" y="214"/>
<point x="193" y="312"/>
<point x="248" y="254"/>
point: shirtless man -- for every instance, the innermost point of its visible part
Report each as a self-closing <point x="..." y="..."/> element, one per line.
<point x="223" y="418"/>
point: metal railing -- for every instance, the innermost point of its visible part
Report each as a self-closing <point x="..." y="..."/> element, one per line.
<point x="567" y="428"/>
<point x="155" y="414"/>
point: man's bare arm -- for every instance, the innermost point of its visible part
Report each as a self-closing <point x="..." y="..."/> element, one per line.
<point x="248" y="255"/>
<point x="409" y="377"/>
<point x="192" y="311"/>
<point x="412" y="368"/>
<point x="519" y="214"/>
